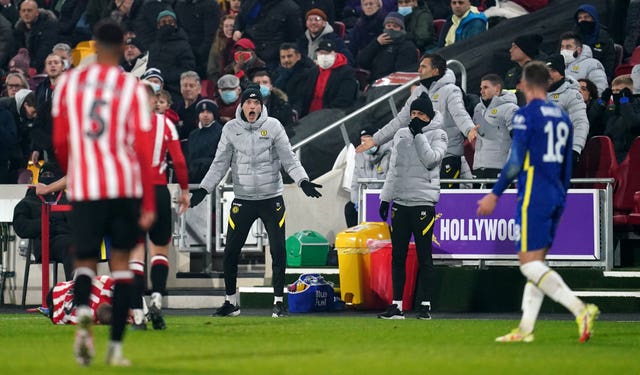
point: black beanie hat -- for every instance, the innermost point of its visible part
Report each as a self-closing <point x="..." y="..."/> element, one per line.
<point x="207" y="105"/>
<point x="556" y="62"/>
<point x="137" y="43"/>
<point x="529" y="44"/>
<point x="370" y="130"/>
<point x="423" y="105"/>
<point x="252" y="92"/>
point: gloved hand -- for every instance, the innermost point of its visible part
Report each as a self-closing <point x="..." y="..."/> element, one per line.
<point x="606" y="96"/>
<point x="625" y="95"/>
<point x="309" y="189"/>
<point x="384" y="210"/>
<point x="197" y="196"/>
<point x="416" y="125"/>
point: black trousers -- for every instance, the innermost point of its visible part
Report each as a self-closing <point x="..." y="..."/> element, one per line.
<point x="243" y="214"/>
<point x="482" y="173"/>
<point x="451" y="167"/>
<point x="405" y="221"/>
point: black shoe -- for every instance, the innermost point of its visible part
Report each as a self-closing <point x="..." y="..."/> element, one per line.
<point x="227" y="309"/>
<point x="157" y="320"/>
<point x="392" y="312"/>
<point x="139" y="327"/>
<point x="423" y="312"/>
<point x="279" y="310"/>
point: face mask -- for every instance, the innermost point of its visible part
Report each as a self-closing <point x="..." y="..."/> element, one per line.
<point x="405" y="11"/>
<point x="586" y="27"/>
<point x="229" y="96"/>
<point x="242" y="57"/>
<point x="156" y="87"/>
<point x="395" y="35"/>
<point x="165" y="31"/>
<point x="569" y="56"/>
<point x="372" y="150"/>
<point x="616" y="99"/>
<point x="326" y="61"/>
<point x="265" y="91"/>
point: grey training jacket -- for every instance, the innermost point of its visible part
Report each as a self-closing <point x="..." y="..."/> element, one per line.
<point x="568" y="97"/>
<point x="585" y="66"/>
<point x="370" y="166"/>
<point x="494" y="134"/>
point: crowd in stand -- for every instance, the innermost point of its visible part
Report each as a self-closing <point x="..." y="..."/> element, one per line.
<point x="306" y="56"/>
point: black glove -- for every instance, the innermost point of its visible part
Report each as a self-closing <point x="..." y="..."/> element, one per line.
<point x="625" y="93"/>
<point x="416" y="125"/>
<point x="309" y="189"/>
<point x="197" y="196"/>
<point x="384" y="210"/>
<point x="606" y="96"/>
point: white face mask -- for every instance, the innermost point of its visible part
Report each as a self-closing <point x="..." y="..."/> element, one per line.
<point x="569" y="55"/>
<point x="326" y="61"/>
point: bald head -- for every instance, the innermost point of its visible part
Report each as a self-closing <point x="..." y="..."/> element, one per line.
<point x="29" y="12"/>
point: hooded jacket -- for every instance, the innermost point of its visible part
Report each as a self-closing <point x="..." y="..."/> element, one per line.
<point x="255" y="152"/>
<point x="414" y="169"/>
<point x="370" y="166"/>
<point x="567" y="96"/>
<point x="598" y="39"/>
<point x="298" y="83"/>
<point x="585" y="66"/>
<point x="309" y="45"/>
<point x="494" y="134"/>
<point x="419" y="26"/>
<point x="202" y="146"/>
<point x="7" y="43"/>
<point x="172" y="56"/>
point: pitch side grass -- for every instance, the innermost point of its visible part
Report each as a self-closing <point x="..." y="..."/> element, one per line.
<point x="328" y="344"/>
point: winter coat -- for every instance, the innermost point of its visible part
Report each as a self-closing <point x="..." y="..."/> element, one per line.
<point x="494" y="134"/>
<point x="7" y="41"/>
<point x="202" y="146"/>
<point x="226" y="111"/>
<point x="200" y="20"/>
<point x="308" y="46"/>
<point x="40" y="39"/>
<point x="566" y="95"/>
<point x="279" y="108"/>
<point x="298" y="83"/>
<point x="218" y="61"/>
<point x="341" y="86"/>
<point x="172" y="56"/>
<point x="632" y="27"/>
<point x="621" y="124"/>
<point x="42" y="132"/>
<point x="420" y="30"/>
<point x="599" y="40"/>
<point x="370" y="166"/>
<point x="138" y="66"/>
<point x="382" y="60"/>
<point x="255" y="152"/>
<point x="366" y="29"/>
<point x="188" y="117"/>
<point x="471" y="25"/>
<point x="269" y="23"/>
<point x="146" y="20"/>
<point x="585" y="66"/>
<point x="8" y="137"/>
<point x="10" y="12"/>
<point x="414" y="170"/>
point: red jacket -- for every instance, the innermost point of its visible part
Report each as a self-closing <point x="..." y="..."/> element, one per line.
<point x="321" y="82"/>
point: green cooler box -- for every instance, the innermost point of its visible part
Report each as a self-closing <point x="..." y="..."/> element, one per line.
<point x="307" y="248"/>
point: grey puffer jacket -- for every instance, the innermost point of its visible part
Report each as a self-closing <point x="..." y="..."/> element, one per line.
<point x="370" y="166"/>
<point x="567" y="96"/>
<point x="585" y="66"/>
<point x="255" y="152"/>
<point x="494" y="138"/>
<point x="414" y="169"/>
<point x="447" y="99"/>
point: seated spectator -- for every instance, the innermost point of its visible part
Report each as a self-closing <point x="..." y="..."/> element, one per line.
<point x="8" y="144"/>
<point x="145" y="22"/>
<point x="42" y="132"/>
<point x="295" y="76"/>
<point x="13" y="82"/>
<point x="245" y="62"/>
<point x="203" y="141"/>
<point x="336" y="85"/>
<point x="27" y="221"/>
<point x="64" y="51"/>
<point x="318" y="30"/>
<point x="7" y="42"/>
<point x="523" y="49"/>
<point x="20" y="64"/>
<point x="418" y="23"/>
<point x="135" y="58"/>
<point x="171" y="52"/>
<point x="373" y="163"/>
<point x="275" y="100"/>
<point x="37" y="31"/>
<point x="229" y="97"/>
<point x="9" y="10"/>
<point x="390" y="51"/>
<point x="200" y="20"/>
<point x="579" y="62"/>
<point x="23" y="110"/>
<point x="465" y="22"/>
<point x="590" y="96"/>
<point x="220" y="54"/>
<point x="154" y="76"/>
<point x="185" y="106"/>
<point x="515" y="8"/>
<point x="359" y="8"/>
<point x="326" y="6"/>
<point x="368" y="26"/>
<point x="594" y="35"/>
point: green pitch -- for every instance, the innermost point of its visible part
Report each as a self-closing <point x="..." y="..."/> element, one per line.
<point x="337" y="344"/>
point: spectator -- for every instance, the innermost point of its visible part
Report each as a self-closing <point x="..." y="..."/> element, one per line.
<point x="390" y="51"/>
<point x="200" y="20"/>
<point x="72" y="21"/>
<point x="326" y="6"/>
<point x="368" y="27"/>
<point x="7" y="42"/>
<point x="185" y="106"/>
<point x="125" y="12"/>
<point x="590" y="96"/>
<point x="145" y="22"/>
<point x="154" y="76"/>
<point x="565" y="93"/>
<point x="580" y="64"/>
<point x="13" y="82"/>
<point x="229" y="91"/>
<point x="335" y="85"/>
<point x="494" y="115"/>
<point x="64" y="51"/>
<point x="135" y="58"/>
<point x="27" y="221"/>
<point x="632" y="27"/>
<point x="523" y="49"/>
<point x="20" y="63"/>
<point x="203" y="141"/>
<point x="268" y="23"/>
<point x="8" y="144"/>
<point x="593" y="34"/>
<point x="42" y="132"/>
<point x="171" y="52"/>
<point x="220" y="54"/>
<point x="245" y="61"/>
<point x="318" y="30"/>
<point x="275" y="100"/>
<point x="23" y="109"/>
<point x="295" y="76"/>
<point x="234" y="7"/>
<point x="9" y="10"/>
<point x="37" y="31"/>
<point x="465" y="22"/>
<point x="359" y="8"/>
<point x="440" y="9"/>
<point x="163" y="105"/>
<point x="419" y="23"/>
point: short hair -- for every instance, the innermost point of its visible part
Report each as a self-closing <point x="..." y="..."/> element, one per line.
<point x="494" y="79"/>
<point x="190" y="74"/>
<point x="108" y="33"/>
<point x="62" y="46"/>
<point x="166" y="95"/>
<point x="104" y="313"/>
<point x="573" y="36"/>
<point x="26" y="2"/>
<point x="262" y="73"/>
<point x="437" y="61"/>
<point x="591" y="87"/>
<point x="286" y="46"/>
<point x="23" y="79"/>
<point x="536" y="74"/>
<point x="53" y="55"/>
<point x="624" y="79"/>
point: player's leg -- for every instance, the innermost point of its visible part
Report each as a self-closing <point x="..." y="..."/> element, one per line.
<point x="400" y="236"/>
<point x="450" y="168"/>
<point x="272" y="212"/>
<point x="423" y="219"/>
<point x="160" y="236"/>
<point x="136" y="265"/>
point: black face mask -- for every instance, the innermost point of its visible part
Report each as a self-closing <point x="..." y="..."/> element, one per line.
<point x="166" y="31"/>
<point x="395" y="35"/>
<point x="586" y="27"/>
<point x="616" y="99"/>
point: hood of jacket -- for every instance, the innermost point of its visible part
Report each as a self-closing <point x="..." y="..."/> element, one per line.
<point x="448" y="78"/>
<point x="252" y="126"/>
<point x="593" y="12"/>
<point x="505" y="97"/>
<point x="327" y="30"/>
<point x="587" y="53"/>
<point x="472" y="14"/>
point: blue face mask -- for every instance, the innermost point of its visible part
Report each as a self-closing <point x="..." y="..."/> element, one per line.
<point x="229" y="96"/>
<point x="265" y="91"/>
<point x="372" y="150"/>
<point x="405" y="11"/>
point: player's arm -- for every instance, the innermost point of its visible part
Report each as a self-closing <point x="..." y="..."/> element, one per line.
<point x="143" y="146"/>
<point x="179" y="165"/>
<point x="60" y="126"/>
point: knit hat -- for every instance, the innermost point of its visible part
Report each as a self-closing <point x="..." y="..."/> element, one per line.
<point x="316" y="12"/>
<point x="20" y="96"/>
<point x="245" y="43"/>
<point x="370" y="131"/>
<point x="326" y="45"/>
<point x="529" y="44"/>
<point x="228" y="81"/>
<point x="206" y="105"/>
<point x="252" y="92"/>
<point x="137" y="43"/>
<point x="152" y="72"/>
<point x="635" y="77"/>
<point x="21" y="61"/>
<point x="396" y="18"/>
<point x="556" y="62"/>
<point x="423" y="104"/>
<point x="165" y="13"/>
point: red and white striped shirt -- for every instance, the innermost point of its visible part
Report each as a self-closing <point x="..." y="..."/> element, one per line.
<point x="100" y="124"/>
<point x="165" y="138"/>
<point x="64" y="309"/>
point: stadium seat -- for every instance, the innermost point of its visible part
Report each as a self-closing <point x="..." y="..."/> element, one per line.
<point x="634" y="217"/>
<point x="207" y="88"/>
<point x="27" y="265"/>
<point x="362" y="76"/>
<point x="627" y="184"/>
<point x="598" y="161"/>
<point x="438" y="25"/>
<point x="619" y="54"/>
<point x="625" y="68"/>
<point x="340" y="29"/>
